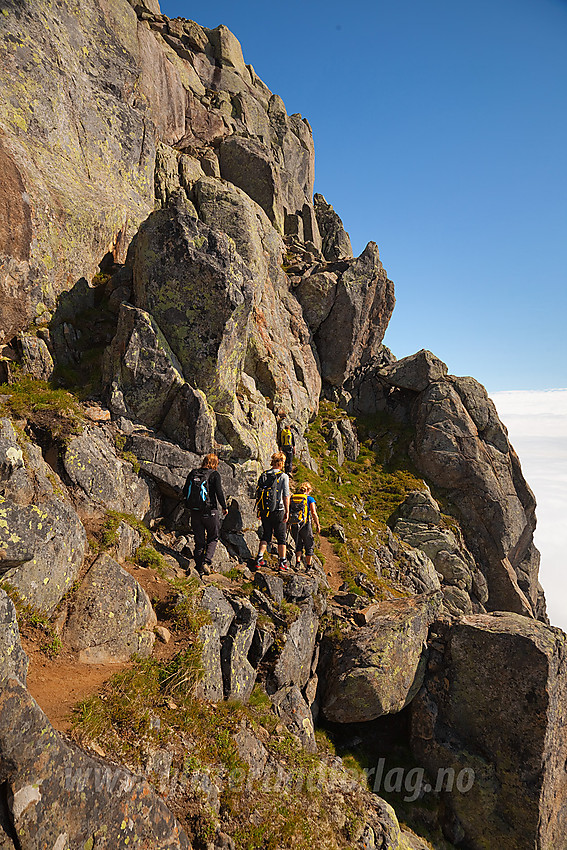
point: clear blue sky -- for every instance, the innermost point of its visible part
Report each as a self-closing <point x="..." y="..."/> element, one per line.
<point x="440" y="133"/>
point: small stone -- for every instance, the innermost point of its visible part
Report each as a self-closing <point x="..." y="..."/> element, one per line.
<point x="163" y="634"/>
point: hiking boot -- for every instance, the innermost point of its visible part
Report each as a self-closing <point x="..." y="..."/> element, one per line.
<point x="283" y="565"/>
<point x="259" y="563"/>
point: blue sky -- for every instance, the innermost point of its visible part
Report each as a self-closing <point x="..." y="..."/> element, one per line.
<point x="440" y="134"/>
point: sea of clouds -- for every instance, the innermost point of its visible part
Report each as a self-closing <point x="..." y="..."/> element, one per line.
<point x="537" y="427"/>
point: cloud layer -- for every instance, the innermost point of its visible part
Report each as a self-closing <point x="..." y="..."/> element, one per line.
<point x="537" y="427"/>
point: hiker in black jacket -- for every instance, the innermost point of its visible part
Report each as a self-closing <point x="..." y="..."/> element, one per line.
<point x="203" y="494"/>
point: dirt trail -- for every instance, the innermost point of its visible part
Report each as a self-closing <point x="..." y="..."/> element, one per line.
<point x="333" y="564"/>
<point x="58" y="684"/>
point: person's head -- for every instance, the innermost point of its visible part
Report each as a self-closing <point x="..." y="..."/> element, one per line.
<point x="278" y="460"/>
<point x="210" y="462"/>
<point x="305" y="488"/>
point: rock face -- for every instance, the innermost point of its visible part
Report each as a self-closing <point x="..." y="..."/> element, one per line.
<point x="77" y="150"/>
<point x="494" y="707"/>
<point x="420" y="524"/>
<point x="380" y="667"/>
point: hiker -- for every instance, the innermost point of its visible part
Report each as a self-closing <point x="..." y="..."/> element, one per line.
<point x="302" y="516"/>
<point x="272" y="502"/>
<point x="203" y="494"/>
<point x="287" y="446"/>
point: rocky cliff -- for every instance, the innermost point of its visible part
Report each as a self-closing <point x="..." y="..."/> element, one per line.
<point x="170" y="286"/>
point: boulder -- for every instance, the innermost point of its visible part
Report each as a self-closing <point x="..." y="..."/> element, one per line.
<point x="144" y="381"/>
<point x="238" y="674"/>
<point x="100" y="478"/>
<point x="351" y="445"/>
<point x="335" y="441"/>
<point x="219" y="609"/>
<point x="210" y="687"/>
<point x="41" y="550"/>
<point x="293" y="666"/>
<point x="165" y="462"/>
<point x="379" y="668"/>
<point x="111" y="617"/>
<point x="491" y="716"/>
<point x="317" y="293"/>
<point x="35" y="357"/>
<point x="59" y="797"/>
<point x="296" y="714"/>
<point x="271" y="585"/>
<point x="248" y="164"/>
<point x="13" y="659"/>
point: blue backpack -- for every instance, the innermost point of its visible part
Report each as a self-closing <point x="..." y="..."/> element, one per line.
<point x="197" y="490"/>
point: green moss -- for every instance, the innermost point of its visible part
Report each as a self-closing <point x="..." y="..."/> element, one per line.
<point x="43" y="403"/>
<point x="146" y="556"/>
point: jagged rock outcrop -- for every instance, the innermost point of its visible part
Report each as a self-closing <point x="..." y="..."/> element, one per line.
<point x="348" y="306"/>
<point x="460" y="445"/>
<point x="493" y="705"/>
<point x="378" y="668"/>
<point x="243" y="339"/>
<point x="335" y="243"/>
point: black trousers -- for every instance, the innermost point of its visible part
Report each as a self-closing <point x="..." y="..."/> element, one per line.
<point x="288" y="452"/>
<point x="303" y="538"/>
<point x="206" y="529"/>
<point x="273" y="524"/>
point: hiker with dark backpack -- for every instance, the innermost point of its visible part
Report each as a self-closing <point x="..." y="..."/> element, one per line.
<point x="272" y="504"/>
<point x="287" y="446"/>
<point x="203" y="494"/>
<point x="302" y="516"/>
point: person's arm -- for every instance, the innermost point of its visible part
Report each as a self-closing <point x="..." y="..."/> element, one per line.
<point x="219" y="493"/>
<point x="186" y="488"/>
<point x="313" y="510"/>
<point x="285" y="496"/>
